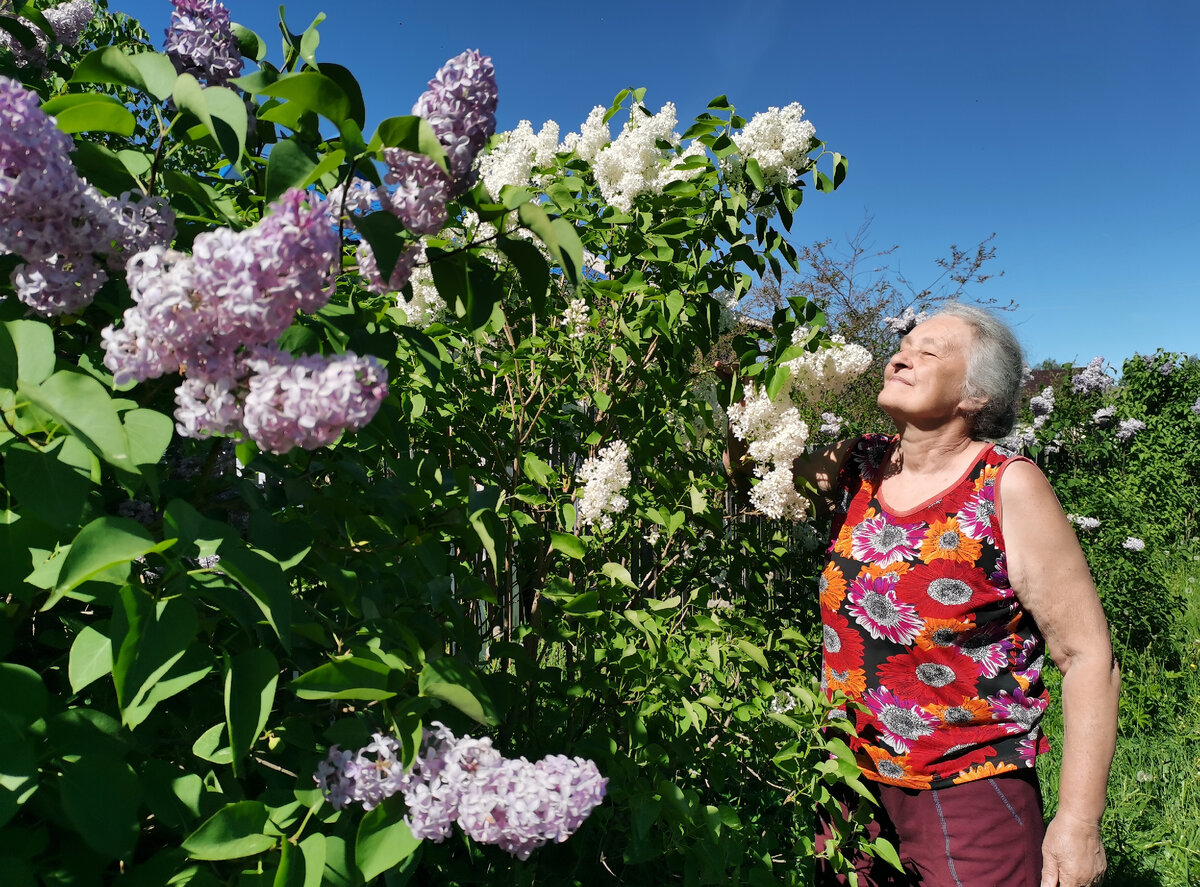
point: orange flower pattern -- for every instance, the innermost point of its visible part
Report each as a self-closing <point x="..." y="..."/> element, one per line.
<point x="923" y="630"/>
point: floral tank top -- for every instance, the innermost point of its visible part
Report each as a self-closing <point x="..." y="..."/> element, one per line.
<point x="924" y="632"/>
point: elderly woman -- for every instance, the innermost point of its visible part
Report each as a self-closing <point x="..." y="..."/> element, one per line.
<point x="952" y="571"/>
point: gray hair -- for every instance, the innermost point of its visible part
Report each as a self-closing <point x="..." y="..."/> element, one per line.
<point x="995" y="365"/>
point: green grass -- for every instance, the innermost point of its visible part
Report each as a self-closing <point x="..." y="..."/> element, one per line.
<point x="1152" y="827"/>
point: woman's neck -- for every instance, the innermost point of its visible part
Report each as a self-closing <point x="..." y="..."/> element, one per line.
<point x="930" y="452"/>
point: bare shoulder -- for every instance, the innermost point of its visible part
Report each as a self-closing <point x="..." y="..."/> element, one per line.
<point x="1023" y="490"/>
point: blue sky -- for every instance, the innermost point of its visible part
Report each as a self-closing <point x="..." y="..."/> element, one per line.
<point x="1069" y="129"/>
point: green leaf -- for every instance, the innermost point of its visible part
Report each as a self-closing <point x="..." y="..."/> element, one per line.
<point x="531" y="267"/>
<point x="149" y="433"/>
<point x="884" y="850"/>
<point x="384" y="840"/>
<point x="560" y="238"/>
<point x="148" y="638"/>
<point x="81" y="403"/>
<point x="538" y="471"/>
<point x="351" y="678"/>
<point x="46" y="487"/>
<point x="105" y="543"/>
<point x="386" y="234"/>
<point x="314" y="850"/>
<point x="34" y="345"/>
<point x="23" y="693"/>
<point x="490" y="530"/>
<point x="288" y="166"/>
<point x="249" y="43"/>
<point x="147" y="71"/>
<point x="18" y="770"/>
<point x="90" y="112"/>
<point x="311" y="91"/>
<point x="212" y="747"/>
<point x="250" y="683"/>
<point x="91" y="658"/>
<point x="618" y="573"/>
<point x="841" y="165"/>
<point x="568" y="543"/>
<point x="752" y="651"/>
<point x="101" y="797"/>
<point x="451" y="681"/>
<point x="234" y="831"/>
<point x="755" y="174"/>
<point x="410" y="133"/>
<point x="720" y="103"/>
<point x="220" y="109"/>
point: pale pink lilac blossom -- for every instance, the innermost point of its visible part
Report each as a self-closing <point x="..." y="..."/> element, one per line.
<point x="460" y="105"/>
<point x="57" y="223"/>
<point x="1132" y="543"/>
<point x="511" y="803"/>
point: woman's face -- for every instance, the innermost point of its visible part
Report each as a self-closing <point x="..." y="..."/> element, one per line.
<point x="923" y="381"/>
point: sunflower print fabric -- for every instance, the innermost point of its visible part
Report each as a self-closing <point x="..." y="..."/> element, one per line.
<point x="923" y="629"/>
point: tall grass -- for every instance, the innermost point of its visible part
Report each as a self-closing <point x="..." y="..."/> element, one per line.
<point x="1152" y="827"/>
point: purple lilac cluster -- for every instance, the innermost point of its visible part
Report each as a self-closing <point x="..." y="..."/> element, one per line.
<point x="1103" y="417"/>
<point x="1042" y="405"/>
<point x="516" y="805"/>
<point x="1127" y="428"/>
<point x="460" y="105"/>
<point x="68" y="233"/>
<point x="68" y="21"/>
<point x="1196" y="407"/>
<point x="200" y="41"/>
<point x="1091" y="378"/>
<point x="213" y="316"/>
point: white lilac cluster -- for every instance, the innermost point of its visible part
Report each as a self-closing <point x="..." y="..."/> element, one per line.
<point x="1042" y="405"/>
<point x="460" y="105"/>
<point x="779" y="139"/>
<point x="1091" y="378"/>
<point x="828" y="370"/>
<point x="1087" y="524"/>
<point x="514" y="156"/>
<point x="903" y="324"/>
<point x="634" y="164"/>
<point x="200" y="41"/>
<point x="593" y="135"/>
<point x="68" y="233"/>
<point x="1196" y="407"/>
<point x="67" y="20"/>
<point x="601" y="479"/>
<point x="1127" y="428"/>
<point x="213" y="317"/>
<point x="512" y="803"/>
<point x="1133" y="543"/>
<point x="575" y="318"/>
<point x="1103" y="417"/>
<point x="426" y="304"/>
<point x="776" y="436"/>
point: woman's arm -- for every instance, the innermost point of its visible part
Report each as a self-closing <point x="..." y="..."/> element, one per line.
<point x="1051" y="579"/>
